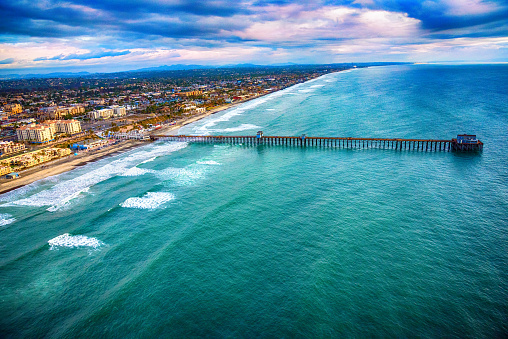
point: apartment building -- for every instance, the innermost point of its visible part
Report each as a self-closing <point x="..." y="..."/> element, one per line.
<point x="119" y="111"/>
<point x="190" y="93"/>
<point x="104" y="113"/>
<point x="35" y="158"/>
<point x="64" y="126"/>
<point x="8" y="147"/>
<point x="5" y="170"/>
<point x="60" y="112"/>
<point x="35" y="133"/>
<point x="46" y="131"/>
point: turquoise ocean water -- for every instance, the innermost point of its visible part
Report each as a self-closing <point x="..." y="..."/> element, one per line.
<point x="187" y="240"/>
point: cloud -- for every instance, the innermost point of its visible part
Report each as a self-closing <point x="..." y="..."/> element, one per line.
<point x="328" y="24"/>
<point x="84" y="56"/>
<point x="7" y="61"/>
<point x="65" y="33"/>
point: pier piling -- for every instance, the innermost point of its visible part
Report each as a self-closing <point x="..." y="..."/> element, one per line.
<point x="463" y="142"/>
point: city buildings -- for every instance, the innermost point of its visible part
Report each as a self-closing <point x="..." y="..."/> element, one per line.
<point x="190" y="93"/>
<point x="13" y="108"/>
<point x="5" y="170"/>
<point x="106" y="113"/>
<point x="35" y="133"/>
<point x="69" y="127"/>
<point x="60" y="112"/>
<point x="33" y="158"/>
<point x="119" y="111"/>
<point x="46" y="131"/>
<point x="8" y="147"/>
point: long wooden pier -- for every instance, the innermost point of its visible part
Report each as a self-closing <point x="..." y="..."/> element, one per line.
<point x="426" y="145"/>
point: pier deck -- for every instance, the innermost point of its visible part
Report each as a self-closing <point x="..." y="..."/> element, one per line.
<point x="431" y="145"/>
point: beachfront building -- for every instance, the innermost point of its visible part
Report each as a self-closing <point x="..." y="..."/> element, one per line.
<point x="46" y="131"/>
<point x="35" y="158"/>
<point x="69" y="127"/>
<point x="8" y="147"/>
<point x="5" y="170"/>
<point x="35" y="133"/>
<point x="104" y="113"/>
<point x="89" y="144"/>
<point x="132" y="135"/>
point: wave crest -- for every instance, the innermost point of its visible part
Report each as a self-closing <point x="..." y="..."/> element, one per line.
<point x="74" y="241"/>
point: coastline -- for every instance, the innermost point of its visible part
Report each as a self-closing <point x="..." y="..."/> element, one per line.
<point x="173" y="130"/>
<point x="64" y="164"/>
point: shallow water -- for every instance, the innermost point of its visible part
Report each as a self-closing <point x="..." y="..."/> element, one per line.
<point x="179" y="240"/>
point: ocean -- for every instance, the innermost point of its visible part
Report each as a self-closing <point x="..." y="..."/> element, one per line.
<point x="198" y="240"/>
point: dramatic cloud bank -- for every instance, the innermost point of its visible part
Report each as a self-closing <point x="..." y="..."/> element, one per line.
<point x="110" y="35"/>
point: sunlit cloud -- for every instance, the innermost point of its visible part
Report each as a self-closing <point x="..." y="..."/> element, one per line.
<point x="133" y="34"/>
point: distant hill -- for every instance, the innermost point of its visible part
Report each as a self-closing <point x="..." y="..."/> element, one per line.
<point x="170" y="68"/>
<point x="45" y="76"/>
<point x="153" y="71"/>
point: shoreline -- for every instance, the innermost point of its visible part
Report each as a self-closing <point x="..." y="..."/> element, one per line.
<point x="63" y="165"/>
<point x="173" y="130"/>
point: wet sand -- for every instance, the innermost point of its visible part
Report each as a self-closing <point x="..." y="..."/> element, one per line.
<point x="65" y="164"/>
<point x="173" y="130"/>
<point x="71" y="162"/>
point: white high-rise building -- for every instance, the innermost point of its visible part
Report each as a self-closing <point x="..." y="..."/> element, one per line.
<point x="47" y="130"/>
<point x="104" y="113"/>
<point x="119" y="111"/>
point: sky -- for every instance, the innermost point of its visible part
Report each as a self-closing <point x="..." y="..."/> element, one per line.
<point x="42" y="36"/>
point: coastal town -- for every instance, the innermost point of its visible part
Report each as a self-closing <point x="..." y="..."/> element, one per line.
<point x="60" y="120"/>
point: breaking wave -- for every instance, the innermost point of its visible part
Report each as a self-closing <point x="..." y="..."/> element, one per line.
<point x="150" y="200"/>
<point x="74" y="241"/>
<point x="6" y="219"/>
<point x="60" y="194"/>
<point x="242" y="127"/>
<point x="208" y="162"/>
<point x="205" y="127"/>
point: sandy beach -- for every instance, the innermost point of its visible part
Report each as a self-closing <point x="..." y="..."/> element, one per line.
<point x="71" y="162"/>
<point x="173" y="130"/>
<point x="64" y="164"/>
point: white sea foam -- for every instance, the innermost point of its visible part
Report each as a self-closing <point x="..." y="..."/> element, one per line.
<point x="149" y="160"/>
<point x="15" y="194"/>
<point x="6" y="219"/>
<point x="242" y="127"/>
<point x="183" y="176"/>
<point x="208" y="162"/>
<point x="273" y="109"/>
<point x="316" y="86"/>
<point x="150" y="200"/>
<point x="66" y="201"/>
<point x="205" y="127"/>
<point x="60" y="194"/>
<point x="136" y="171"/>
<point x="74" y="241"/>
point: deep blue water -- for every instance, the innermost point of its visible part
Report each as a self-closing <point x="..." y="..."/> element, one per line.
<point x="186" y="240"/>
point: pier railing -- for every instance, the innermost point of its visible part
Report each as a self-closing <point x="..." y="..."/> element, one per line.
<point x="426" y="145"/>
